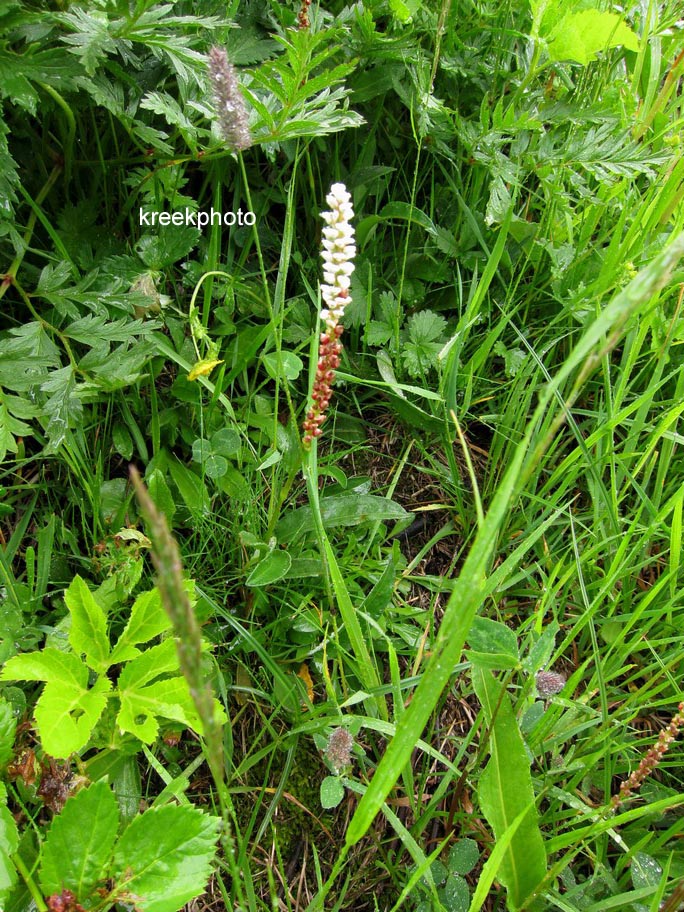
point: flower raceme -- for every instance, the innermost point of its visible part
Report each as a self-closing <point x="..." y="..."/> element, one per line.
<point x="337" y="251"/>
<point x="232" y="116"/>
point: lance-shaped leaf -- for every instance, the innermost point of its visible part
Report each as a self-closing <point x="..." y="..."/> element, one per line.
<point x="505" y="791"/>
<point x="88" y="633"/>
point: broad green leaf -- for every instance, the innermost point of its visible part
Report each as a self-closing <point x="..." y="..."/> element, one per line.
<point x="127" y="786"/>
<point x="78" y="847"/>
<point x="345" y="510"/>
<point x="215" y="466"/>
<point x="66" y="717"/>
<point x="161" y="494"/>
<point x="273" y="567"/>
<point x="46" y="665"/>
<point x="122" y="440"/>
<point x="8" y="727"/>
<point x="492" y="645"/>
<point x="580" y="36"/>
<point x="88" y="633"/>
<point x="166" y="699"/>
<point x="148" y="619"/>
<point x="192" y="488"/>
<point x="201" y="450"/>
<point x="463" y="856"/>
<point x="225" y="442"/>
<point x="9" y="842"/>
<point x="67" y="710"/>
<point x="455" y="895"/>
<point x="144" y="698"/>
<point x="505" y="791"/>
<point x="164" y="857"/>
<point x="291" y="365"/>
<point x="154" y="662"/>
<point x="332" y="792"/>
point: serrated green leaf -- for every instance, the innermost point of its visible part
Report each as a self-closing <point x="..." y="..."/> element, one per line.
<point x="505" y="791"/>
<point x="88" y="633"/>
<point x="63" y="407"/>
<point x="332" y="792"/>
<point x="166" y="699"/>
<point x="273" y="567"/>
<point x="144" y="697"/>
<point x="421" y="348"/>
<point x="164" y="857"/>
<point x="168" y="246"/>
<point x="9" y="842"/>
<point x="148" y="619"/>
<point x="158" y="660"/>
<point x="66" y="717"/>
<point x="580" y="36"/>
<point x="67" y="710"/>
<point x="78" y="847"/>
<point x="8" y="727"/>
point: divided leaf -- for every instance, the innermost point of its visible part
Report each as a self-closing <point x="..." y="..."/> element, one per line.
<point x="581" y="35"/>
<point x="67" y="710"/>
<point x="78" y="848"/>
<point x="144" y="697"/>
<point x="164" y="857"/>
<point x="148" y="619"/>
<point x="88" y="633"/>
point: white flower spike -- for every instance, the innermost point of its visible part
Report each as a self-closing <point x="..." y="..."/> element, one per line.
<point x="337" y="251"/>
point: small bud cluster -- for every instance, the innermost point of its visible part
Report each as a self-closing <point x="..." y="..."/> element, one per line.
<point x="337" y="252"/>
<point x="338" y="751"/>
<point x="549" y="683"/>
<point x="652" y="758"/>
<point x="303" y="15"/>
<point x="233" y="119"/>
